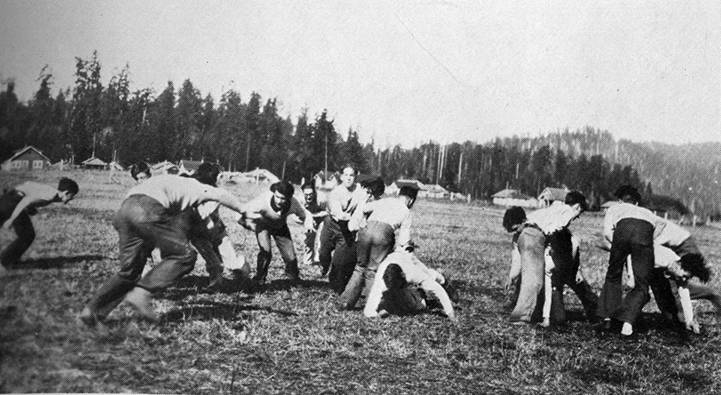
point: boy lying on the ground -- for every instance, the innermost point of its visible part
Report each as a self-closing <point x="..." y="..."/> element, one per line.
<point x="395" y="288"/>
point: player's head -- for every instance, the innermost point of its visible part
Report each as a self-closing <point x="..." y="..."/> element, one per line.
<point x="282" y="192"/>
<point x="410" y="192"/>
<point x="375" y="186"/>
<point x="394" y="277"/>
<point x="309" y="193"/>
<point x="348" y="175"/>
<point x="207" y="173"/>
<point x="628" y="194"/>
<point x="577" y="201"/>
<point x="695" y="265"/>
<point x="140" y="171"/>
<point x="67" y="189"/>
<point x="513" y="218"/>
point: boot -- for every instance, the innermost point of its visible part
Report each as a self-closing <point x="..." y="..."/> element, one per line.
<point x="140" y="299"/>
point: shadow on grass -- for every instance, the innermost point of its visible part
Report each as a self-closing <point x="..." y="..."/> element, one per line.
<point x="56" y="262"/>
<point x="285" y="285"/>
<point x="217" y="310"/>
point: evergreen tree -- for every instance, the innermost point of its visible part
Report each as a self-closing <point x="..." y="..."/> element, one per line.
<point x="85" y="118"/>
<point x="189" y="113"/>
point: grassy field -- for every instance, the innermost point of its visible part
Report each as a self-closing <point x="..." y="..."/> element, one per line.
<point x="293" y="340"/>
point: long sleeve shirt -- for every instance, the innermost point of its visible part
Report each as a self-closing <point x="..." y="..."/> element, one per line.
<point x="262" y="210"/>
<point x="623" y="210"/>
<point x="416" y="273"/>
<point x="672" y="235"/>
<point x="342" y="202"/>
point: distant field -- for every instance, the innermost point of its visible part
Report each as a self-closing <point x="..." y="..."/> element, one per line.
<point x="292" y="339"/>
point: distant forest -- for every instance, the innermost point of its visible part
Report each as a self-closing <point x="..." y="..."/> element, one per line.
<point x="130" y="125"/>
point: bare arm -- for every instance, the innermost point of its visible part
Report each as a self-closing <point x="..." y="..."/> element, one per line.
<point x="225" y="198"/>
<point x="26" y="202"/>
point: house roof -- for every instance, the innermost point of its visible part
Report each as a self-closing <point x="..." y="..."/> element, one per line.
<point x="93" y="161"/>
<point x="411" y="183"/>
<point x="435" y="188"/>
<point x="162" y="165"/>
<point x="510" y="194"/>
<point x="262" y="174"/>
<point x="25" y="149"/>
<point x="553" y="194"/>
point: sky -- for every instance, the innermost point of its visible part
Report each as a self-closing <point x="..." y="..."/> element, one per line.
<point x="402" y="72"/>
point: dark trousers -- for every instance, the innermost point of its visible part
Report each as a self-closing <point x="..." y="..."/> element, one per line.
<point x="143" y="224"/>
<point x="285" y="246"/>
<point x="566" y="264"/>
<point x="337" y="240"/>
<point x="22" y="226"/>
<point x="635" y="237"/>
<point x="663" y="294"/>
<point x="375" y="242"/>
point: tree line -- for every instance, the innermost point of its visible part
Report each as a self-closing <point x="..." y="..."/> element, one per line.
<point x="114" y="121"/>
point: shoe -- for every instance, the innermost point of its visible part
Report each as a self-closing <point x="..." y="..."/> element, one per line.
<point x="88" y="317"/>
<point x="140" y="299"/>
<point x="216" y="282"/>
<point x="633" y="337"/>
<point x="519" y="321"/>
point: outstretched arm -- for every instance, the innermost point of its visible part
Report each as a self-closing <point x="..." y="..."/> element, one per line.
<point x="685" y="296"/>
<point x="437" y="290"/>
<point x="26" y="202"/>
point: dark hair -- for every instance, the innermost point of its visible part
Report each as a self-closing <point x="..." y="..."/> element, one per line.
<point x="410" y="191"/>
<point x="628" y="194"/>
<point x="574" y="197"/>
<point x="284" y="187"/>
<point x="137" y="168"/>
<point x="512" y="217"/>
<point x="394" y="278"/>
<point x="352" y="166"/>
<point x="66" y="184"/>
<point x="308" y="185"/>
<point x="375" y="185"/>
<point x="696" y="265"/>
<point x="207" y="173"/>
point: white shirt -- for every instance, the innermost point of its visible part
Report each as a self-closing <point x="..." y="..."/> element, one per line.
<point x="173" y="192"/>
<point x="624" y="210"/>
<point x="672" y="235"/>
<point x="552" y="218"/>
<point x="392" y="211"/>
<point x="416" y="273"/>
<point x="342" y="202"/>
